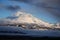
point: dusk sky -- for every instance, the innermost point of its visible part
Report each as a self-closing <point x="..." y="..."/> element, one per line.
<point x="49" y="14"/>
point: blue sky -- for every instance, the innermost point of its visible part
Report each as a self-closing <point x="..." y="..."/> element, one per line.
<point x="38" y="12"/>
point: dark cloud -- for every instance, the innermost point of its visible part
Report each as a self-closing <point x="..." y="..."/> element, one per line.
<point x="32" y="2"/>
<point x="54" y="11"/>
<point x="10" y="7"/>
<point x="20" y="0"/>
<point x="41" y="3"/>
<point x="25" y="1"/>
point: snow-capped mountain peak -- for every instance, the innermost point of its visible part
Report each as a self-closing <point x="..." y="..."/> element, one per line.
<point x="23" y="17"/>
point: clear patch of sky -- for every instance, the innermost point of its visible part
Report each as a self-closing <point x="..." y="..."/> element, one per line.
<point x="37" y="12"/>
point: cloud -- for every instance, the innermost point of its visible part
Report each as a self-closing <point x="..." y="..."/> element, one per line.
<point x="55" y="12"/>
<point x="41" y="3"/>
<point x="25" y="1"/>
<point x="20" y="0"/>
<point x="10" y="7"/>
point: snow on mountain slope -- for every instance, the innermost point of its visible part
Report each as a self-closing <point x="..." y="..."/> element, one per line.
<point x="23" y="17"/>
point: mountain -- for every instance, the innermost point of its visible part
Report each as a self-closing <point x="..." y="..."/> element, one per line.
<point x="23" y="17"/>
